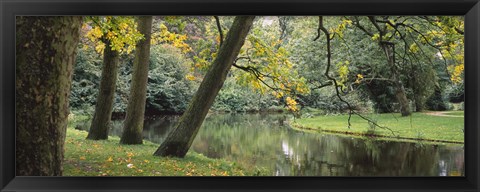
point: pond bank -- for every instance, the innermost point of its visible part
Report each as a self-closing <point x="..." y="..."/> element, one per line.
<point x="109" y="158"/>
<point x="419" y="127"/>
<point x="256" y="141"/>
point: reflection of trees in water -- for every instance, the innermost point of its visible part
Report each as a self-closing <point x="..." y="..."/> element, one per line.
<point x="260" y="140"/>
<point x="155" y="129"/>
<point x="452" y="161"/>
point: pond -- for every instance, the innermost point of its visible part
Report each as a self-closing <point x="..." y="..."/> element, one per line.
<point x="263" y="140"/>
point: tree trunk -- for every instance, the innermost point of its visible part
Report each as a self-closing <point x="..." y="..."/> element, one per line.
<point x="419" y="103"/>
<point x="133" y="124"/>
<point x="45" y="54"/>
<point x="103" y="108"/>
<point x="180" y="139"/>
<point x="399" y="88"/>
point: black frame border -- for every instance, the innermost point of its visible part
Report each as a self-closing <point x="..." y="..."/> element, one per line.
<point x="10" y="8"/>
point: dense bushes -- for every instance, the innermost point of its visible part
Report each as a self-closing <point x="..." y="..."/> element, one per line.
<point x="86" y="80"/>
<point x="168" y="90"/>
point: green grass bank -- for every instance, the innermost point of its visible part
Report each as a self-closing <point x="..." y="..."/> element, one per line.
<point x="417" y="127"/>
<point x="109" y="158"/>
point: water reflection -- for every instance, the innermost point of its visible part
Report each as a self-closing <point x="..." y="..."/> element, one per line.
<point x="262" y="140"/>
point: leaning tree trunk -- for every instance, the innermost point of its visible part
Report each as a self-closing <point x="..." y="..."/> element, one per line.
<point x="400" y="94"/>
<point x="133" y="124"/>
<point x="103" y="108"/>
<point x="180" y="139"/>
<point x="45" y="54"/>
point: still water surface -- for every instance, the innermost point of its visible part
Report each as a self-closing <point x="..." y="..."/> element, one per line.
<point x="262" y="140"/>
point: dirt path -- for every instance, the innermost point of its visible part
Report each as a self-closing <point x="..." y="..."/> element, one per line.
<point x="441" y="114"/>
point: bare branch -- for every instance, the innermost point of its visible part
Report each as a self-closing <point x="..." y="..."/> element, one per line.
<point x="219" y="27"/>
<point x="329" y="54"/>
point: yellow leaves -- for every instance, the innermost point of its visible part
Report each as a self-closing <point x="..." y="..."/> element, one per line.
<point x="456" y="76"/>
<point x="347" y="22"/>
<point x="343" y="71"/>
<point x="413" y="48"/>
<point x="359" y="78"/>
<point x="256" y="85"/>
<point x="110" y="159"/>
<point x="100" y="47"/>
<point x="278" y="94"/>
<point x="82" y="158"/>
<point x="389" y="27"/>
<point x="96" y="32"/>
<point x="291" y="104"/>
<point x="165" y="36"/>
<point x="340" y="28"/>
<point x="121" y="32"/>
<point x="375" y="36"/>
<point x="190" y="77"/>
<point x="124" y="26"/>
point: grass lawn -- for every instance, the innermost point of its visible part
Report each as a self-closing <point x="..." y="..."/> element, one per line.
<point x="109" y="158"/>
<point x="419" y="126"/>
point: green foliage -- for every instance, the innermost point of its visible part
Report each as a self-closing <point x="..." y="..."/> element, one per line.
<point x="285" y="56"/>
<point x="86" y="80"/>
<point x="455" y="92"/>
<point x="237" y="98"/>
<point x="168" y="88"/>
<point x="438" y="101"/>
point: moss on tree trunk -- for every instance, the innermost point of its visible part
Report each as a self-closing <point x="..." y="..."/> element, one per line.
<point x="180" y="139"/>
<point x="45" y="55"/>
<point x="133" y="124"/>
<point x="103" y="108"/>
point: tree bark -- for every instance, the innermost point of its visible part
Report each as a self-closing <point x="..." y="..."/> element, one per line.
<point x="399" y="88"/>
<point x="180" y="139"/>
<point x="133" y="124"/>
<point x="45" y="54"/>
<point x="104" y="106"/>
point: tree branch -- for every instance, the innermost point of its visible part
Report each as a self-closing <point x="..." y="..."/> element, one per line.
<point x="329" y="54"/>
<point x="219" y="27"/>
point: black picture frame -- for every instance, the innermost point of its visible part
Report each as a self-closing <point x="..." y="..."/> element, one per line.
<point x="9" y="9"/>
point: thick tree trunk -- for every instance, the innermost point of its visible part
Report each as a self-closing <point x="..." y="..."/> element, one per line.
<point x="399" y="88"/>
<point x="45" y="55"/>
<point x="133" y="124"/>
<point x="103" y="108"/>
<point x="180" y="139"/>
